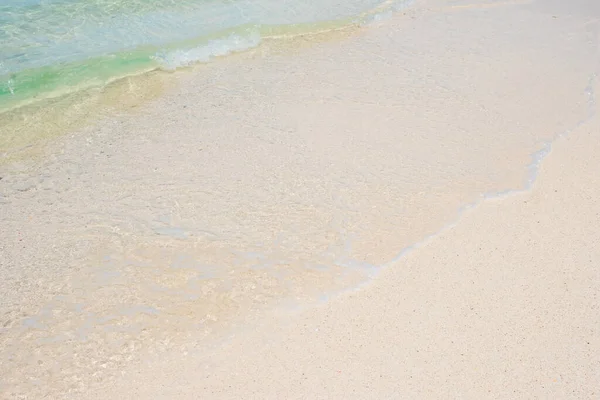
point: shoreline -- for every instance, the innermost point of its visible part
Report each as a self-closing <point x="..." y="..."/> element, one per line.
<point x="171" y="57"/>
<point x="312" y="150"/>
<point x="81" y="110"/>
<point x="424" y="330"/>
<point x="506" y="320"/>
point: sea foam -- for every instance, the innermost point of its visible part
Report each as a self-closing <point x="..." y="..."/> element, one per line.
<point x="233" y="43"/>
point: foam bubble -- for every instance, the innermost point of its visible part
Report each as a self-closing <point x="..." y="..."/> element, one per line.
<point x="233" y="43"/>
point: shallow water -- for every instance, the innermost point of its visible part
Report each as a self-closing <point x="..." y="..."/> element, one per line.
<point x="52" y="47"/>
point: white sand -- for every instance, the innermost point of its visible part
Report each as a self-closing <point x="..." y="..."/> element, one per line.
<point x="263" y="181"/>
<point x="503" y="305"/>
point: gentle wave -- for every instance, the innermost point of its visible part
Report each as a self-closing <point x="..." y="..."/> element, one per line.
<point x="233" y="43"/>
<point x="44" y="82"/>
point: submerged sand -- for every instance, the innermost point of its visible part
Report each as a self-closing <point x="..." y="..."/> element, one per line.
<point x="177" y="252"/>
<point x="503" y="305"/>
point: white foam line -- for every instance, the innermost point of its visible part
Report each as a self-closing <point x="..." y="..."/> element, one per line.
<point x="534" y="167"/>
<point x="215" y="48"/>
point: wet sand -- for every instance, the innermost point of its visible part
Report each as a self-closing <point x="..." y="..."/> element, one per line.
<point x="503" y="305"/>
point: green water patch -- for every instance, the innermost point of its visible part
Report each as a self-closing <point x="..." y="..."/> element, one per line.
<point x="32" y="85"/>
<point x="39" y="104"/>
<point x="56" y="47"/>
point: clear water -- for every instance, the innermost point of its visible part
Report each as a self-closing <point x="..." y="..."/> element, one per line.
<point x="48" y="47"/>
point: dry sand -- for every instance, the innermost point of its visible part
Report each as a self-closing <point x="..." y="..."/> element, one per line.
<point x="161" y="254"/>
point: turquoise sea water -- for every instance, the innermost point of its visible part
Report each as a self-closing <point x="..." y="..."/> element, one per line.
<point x="51" y="47"/>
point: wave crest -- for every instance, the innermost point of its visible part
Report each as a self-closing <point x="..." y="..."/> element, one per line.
<point x="234" y="43"/>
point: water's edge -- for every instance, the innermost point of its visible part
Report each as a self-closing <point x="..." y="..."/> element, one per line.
<point x="30" y="86"/>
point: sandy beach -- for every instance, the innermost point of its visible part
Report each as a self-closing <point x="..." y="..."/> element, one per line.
<point x="503" y="305"/>
<point x="402" y="209"/>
